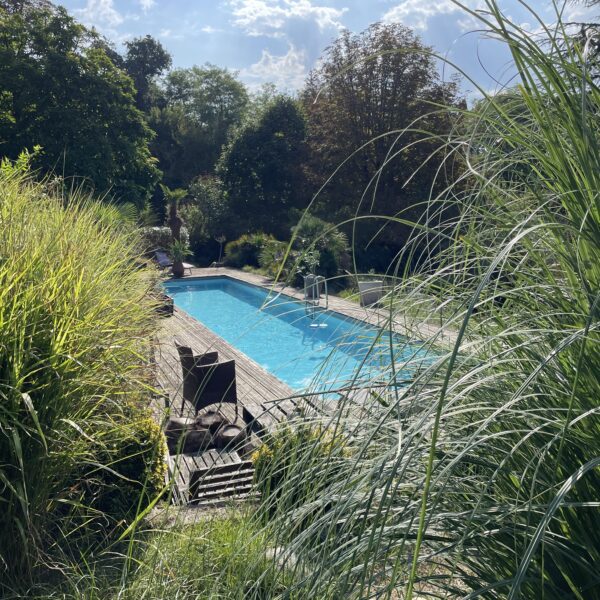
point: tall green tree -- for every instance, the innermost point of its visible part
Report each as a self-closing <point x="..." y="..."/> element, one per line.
<point x="369" y="88"/>
<point x="262" y="170"/>
<point x="60" y="90"/>
<point x="145" y="59"/>
<point x="203" y="105"/>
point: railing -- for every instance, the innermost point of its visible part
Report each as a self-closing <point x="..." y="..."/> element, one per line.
<point x="312" y="295"/>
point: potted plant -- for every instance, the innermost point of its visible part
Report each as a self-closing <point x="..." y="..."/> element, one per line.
<point x="179" y="251"/>
<point x="307" y="267"/>
<point x="371" y="290"/>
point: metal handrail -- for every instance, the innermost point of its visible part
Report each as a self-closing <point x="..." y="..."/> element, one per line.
<point x="318" y="280"/>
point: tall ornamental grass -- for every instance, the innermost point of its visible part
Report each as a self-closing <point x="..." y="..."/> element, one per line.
<point x="482" y="477"/>
<point x="75" y="324"/>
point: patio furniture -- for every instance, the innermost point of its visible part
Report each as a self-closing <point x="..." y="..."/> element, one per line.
<point x="206" y="381"/>
<point x="164" y="262"/>
<point x="371" y="292"/>
<point x="188" y="361"/>
<point x="216" y="385"/>
<point x="184" y="435"/>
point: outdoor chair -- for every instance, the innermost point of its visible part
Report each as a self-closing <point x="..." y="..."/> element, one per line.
<point x="163" y="261"/>
<point x="216" y="385"/>
<point x="205" y="380"/>
<point x="188" y="361"/>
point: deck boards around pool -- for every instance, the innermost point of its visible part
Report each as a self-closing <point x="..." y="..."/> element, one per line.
<point x="263" y="399"/>
<point x="261" y="395"/>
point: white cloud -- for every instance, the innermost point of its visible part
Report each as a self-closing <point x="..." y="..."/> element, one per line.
<point x="210" y="29"/>
<point x="100" y="13"/>
<point x="170" y="34"/>
<point x="416" y="13"/>
<point x="287" y="71"/>
<point x="266" y="17"/>
<point x="147" y="4"/>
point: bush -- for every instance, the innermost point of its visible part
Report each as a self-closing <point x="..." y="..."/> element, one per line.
<point x="75" y="325"/>
<point x="313" y="233"/>
<point x="246" y="250"/>
<point x="195" y="224"/>
<point x="132" y="468"/>
<point x="160" y="238"/>
<point x="271" y="258"/>
<point x="304" y="448"/>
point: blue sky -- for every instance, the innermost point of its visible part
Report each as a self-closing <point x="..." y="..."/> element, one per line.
<point x="281" y="40"/>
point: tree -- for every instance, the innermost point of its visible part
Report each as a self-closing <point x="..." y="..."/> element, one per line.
<point x="261" y="169"/>
<point x="60" y="90"/>
<point x="144" y="61"/>
<point x="368" y="88"/>
<point x="203" y="105"/>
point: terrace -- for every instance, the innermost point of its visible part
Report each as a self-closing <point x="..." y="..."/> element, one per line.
<point x="264" y="401"/>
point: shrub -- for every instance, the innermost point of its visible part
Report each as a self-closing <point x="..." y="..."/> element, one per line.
<point x="160" y="238"/>
<point x="246" y="250"/>
<point x="75" y="325"/>
<point x="331" y="244"/>
<point x="131" y="467"/>
<point x="272" y="256"/>
<point x="291" y="449"/>
<point x="195" y="224"/>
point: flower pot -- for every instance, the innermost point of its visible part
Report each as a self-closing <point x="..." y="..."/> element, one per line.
<point x="178" y="269"/>
<point x="371" y="292"/>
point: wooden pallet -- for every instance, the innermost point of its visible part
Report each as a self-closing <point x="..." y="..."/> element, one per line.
<point x="210" y="477"/>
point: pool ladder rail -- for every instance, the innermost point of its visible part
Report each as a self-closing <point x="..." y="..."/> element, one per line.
<point x="312" y="295"/>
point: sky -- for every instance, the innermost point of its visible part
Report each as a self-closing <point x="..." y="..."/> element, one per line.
<point x="279" y="41"/>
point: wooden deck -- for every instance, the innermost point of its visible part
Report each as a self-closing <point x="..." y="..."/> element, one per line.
<point x="263" y="400"/>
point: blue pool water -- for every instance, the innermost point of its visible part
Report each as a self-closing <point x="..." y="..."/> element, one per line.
<point x="277" y="333"/>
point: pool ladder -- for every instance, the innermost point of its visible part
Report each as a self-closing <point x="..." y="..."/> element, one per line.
<point x="312" y="295"/>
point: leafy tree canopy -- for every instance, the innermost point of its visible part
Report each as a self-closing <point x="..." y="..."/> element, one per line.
<point x="60" y="90"/>
<point x="261" y="169"/>
<point x="145" y="59"/>
<point x="202" y="105"/>
<point x="369" y="104"/>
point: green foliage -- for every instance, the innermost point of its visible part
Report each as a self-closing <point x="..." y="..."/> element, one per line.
<point x="246" y="250"/>
<point x="179" y="250"/>
<point x="222" y="558"/>
<point x="144" y="61"/>
<point x="87" y="125"/>
<point x="195" y="222"/>
<point x="202" y="105"/>
<point x="261" y="170"/>
<point x="74" y="326"/>
<point x="272" y="259"/>
<point x="377" y="116"/>
<point x="132" y="469"/>
<point x="329" y="242"/>
<point x="207" y="194"/>
<point x="299" y="447"/>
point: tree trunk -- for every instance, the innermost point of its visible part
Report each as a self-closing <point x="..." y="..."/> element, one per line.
<point x="177" y="268"/>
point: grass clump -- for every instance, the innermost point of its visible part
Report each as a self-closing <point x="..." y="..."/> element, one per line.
<point x="227" y="557"/>
<point x="74" y="333"/>
<point x="480" y="478"/>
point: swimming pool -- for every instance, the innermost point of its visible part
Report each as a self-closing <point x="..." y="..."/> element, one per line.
<point x="323" y="352"/>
